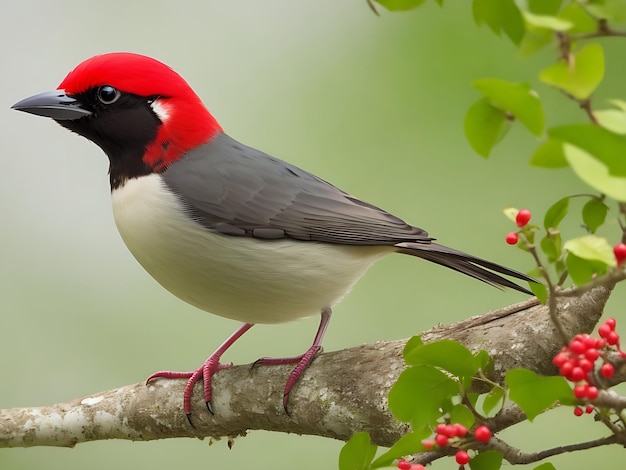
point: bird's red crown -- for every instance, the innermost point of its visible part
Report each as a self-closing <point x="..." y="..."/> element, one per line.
<point x="186" y="123"/>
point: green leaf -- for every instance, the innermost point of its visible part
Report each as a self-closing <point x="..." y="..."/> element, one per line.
<point x="400" y="5"/>
<point x="510" y="213"/>
<point x="461" y="414"/>
<point x="582" y="270"/>
<point x="517" y="99"/>
<point x="408" y="444"/>
<point x="445" y="354"/>
<point x="545" y="466"/>
<point x="612" y="119"/>
<point x="592" y="248"/>
<point x="549" y="155"/>
<point x="419" y="393"/>
<point x="556" y="213"/>
<point x="500" y="16"/>
<point x="620" y="104"/>
<point x="595" y="173"/>
<point x="534" y="393"/>
<point x="613" y="11"/>
<point x="540" y="291"/>
<point x="484" y="126"/>
<point x="551" y="245"/>
<point x="534" y="40"/>
<point x="544" y="7"/>
<point x="594" y="213"/>
<point x="483" y="359"/>
<point x="488" y="460"/>
<point x="552" y="23"/>
<point x="413" y="343"/>
<point x="580" y="76"/>
<point x="493" y="399"/>
<point x="472" y="397"/>
<point x="601" y="143"/>
<point x="357" y="453"/>
<point x="581" y="21"/>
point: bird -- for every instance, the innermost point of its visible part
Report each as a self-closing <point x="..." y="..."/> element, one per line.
<point x="224" y="227"/>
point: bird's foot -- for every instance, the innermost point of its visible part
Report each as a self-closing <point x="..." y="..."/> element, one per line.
<point x="206" y="371"/>
<point x="302" y="362"/>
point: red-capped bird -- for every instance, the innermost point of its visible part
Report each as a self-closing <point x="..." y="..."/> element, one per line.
<point x="224" y="227"/>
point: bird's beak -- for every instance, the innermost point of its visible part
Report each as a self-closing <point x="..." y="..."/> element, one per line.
<point x="53" y="104"/>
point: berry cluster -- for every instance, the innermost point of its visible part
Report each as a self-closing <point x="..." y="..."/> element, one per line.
<point x="443" y="434"/>
<point x="577" y="360"/>
<point x="521" y="220"/>
<point x="578" y="411"/>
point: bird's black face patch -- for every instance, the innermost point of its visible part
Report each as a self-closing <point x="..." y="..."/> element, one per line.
<point x="122" y="124"/>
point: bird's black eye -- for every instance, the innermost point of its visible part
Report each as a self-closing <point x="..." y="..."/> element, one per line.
<point x="107" y="94"/>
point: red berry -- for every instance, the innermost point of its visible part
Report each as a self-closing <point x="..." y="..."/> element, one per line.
<point x="522" y="217"/>
<point x="566" y="369"/>
<point x="512" y="238"/>
<point x="589" y="341"/>
<point x="577" y="374"/>
<point x="577" y="347"/>
<point x="592" y="354"/>
<point x="404" y="465"/>
<point x="560" y="359"/>
<point x="441" y="440"/>
<point x="449" y="431"/>
<point x="482" y="434"/>
<point x="428" y="443"/>
<point x="604" y="330"/>
<point x="440" y="429"/>
<point x="580" y="391"/>
<point x="462" y="457"/>
<point x="592" y="392"/>
<point x="578" y="411"/>
<point x="589" y="409"/>
<point x="585" y="364"/>
<point x="607" y="370"/>
<point x="417" y="466"/>
<point x="612" y="338"/>
<point x="460" y="430"/>
<point x="620" y="253"/>
<point x="611" y="322"/>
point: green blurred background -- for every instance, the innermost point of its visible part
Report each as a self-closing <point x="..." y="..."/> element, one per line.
<point x="373" y="104"/>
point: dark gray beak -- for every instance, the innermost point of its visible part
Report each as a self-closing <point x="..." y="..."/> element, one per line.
<point x="53" y="104"/>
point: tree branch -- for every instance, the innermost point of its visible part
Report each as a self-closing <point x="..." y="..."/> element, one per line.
<point x="342" y="392"/>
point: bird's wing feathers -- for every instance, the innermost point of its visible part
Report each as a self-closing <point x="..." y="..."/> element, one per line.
<point x="237" y="190"/>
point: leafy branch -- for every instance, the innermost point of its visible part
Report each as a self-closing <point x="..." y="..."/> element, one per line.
<point x="440" y="395"/>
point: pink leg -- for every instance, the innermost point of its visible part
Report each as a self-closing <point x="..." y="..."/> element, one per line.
<point x="302" y="361"/>
<point x="206" y="371"/>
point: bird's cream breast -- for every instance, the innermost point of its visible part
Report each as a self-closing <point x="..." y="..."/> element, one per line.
<point x="246" y="279"/>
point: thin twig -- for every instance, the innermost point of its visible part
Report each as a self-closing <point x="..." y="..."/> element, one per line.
<point x="516" y="457"/>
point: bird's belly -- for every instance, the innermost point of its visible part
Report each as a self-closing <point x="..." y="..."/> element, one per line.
<point x="246" y="279"/>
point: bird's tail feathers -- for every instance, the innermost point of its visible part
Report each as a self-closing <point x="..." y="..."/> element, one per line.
<point x="469" y="265"/>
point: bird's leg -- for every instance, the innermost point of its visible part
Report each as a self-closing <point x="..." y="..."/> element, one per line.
<point x="301" y="361"/>
<point x="206" y="371"/>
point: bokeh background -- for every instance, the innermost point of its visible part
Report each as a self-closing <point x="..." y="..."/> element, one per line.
<point x="373" y="104"/>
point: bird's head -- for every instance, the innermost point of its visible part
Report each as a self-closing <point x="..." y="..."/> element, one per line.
<point x="138" y="110"/>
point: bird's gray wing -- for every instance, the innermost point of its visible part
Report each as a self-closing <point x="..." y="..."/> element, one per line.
<point x="237" y="190"/>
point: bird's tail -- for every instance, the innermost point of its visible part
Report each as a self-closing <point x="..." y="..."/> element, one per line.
<point x="472" y="266"/>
